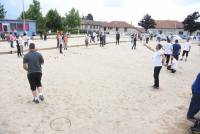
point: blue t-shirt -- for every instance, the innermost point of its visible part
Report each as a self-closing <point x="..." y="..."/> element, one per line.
<point x="196" y="85"/>
<point x="176" y="49"/>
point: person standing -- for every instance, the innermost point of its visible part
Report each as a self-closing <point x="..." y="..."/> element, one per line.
<point x="25" y="38"/>
<point x="11" y="38"/>
<point x="65" y="41"/>
<point x="176" y="50"/>
<point x="158" y="59"/>
<point x="60" y="39"/>
<point x="186" y="49"/>
<point x="32" y="62"/>
<point x="57" y="35"/>
<point x="117" y="38"/>
<point x="134" y="40"/>
<point x="168" y="51"/>
<point x="45" y="36"/>
<point x="87" y="40"/>
<point x="194" y="107"/>
<point x="21" y="44"/>
<point x="19" y="54"/>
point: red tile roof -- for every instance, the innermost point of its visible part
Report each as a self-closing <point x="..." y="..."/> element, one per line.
<point x="168" y="24"/>
<point x="119" y="24"/>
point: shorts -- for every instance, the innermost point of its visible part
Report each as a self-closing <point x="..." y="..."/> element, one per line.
<point x="35" y="80"/>
<point x="185" y="52"/>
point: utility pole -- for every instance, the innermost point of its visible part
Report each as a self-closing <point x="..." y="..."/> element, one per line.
<point x="24" y="27"/>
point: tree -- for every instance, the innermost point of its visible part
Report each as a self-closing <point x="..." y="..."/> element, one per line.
<point x="147" y="22"/>
<point x="89" y="17"/>
<point x="54" y="20"/>
<point x="2" y="12"/>
<point x="73" y="20"/>
<point x="34" y="13"/>
<point x="191" y="23"/>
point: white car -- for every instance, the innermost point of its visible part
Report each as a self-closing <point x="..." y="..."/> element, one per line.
<point x="176" y="37"/>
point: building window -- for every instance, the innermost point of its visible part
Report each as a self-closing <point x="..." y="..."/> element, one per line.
<point x="117" y="29"/>
<point x="125" y="29"/>
<point x="13" y="26"/>
<point x="27" y="27"/>
<point x="104" y="28"/>
<point x="20" y="26"/>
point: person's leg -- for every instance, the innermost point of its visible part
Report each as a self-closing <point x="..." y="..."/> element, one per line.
<point x="61" y="48"/>
<point x="187" y="52"/>
<point x="135" y="45"/>
<point x="31" y="79"/>
<point x="39" y="85"/>
<point x="194" y="106"/>
<point x="156" y="76"/>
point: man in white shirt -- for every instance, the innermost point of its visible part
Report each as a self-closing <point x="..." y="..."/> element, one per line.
<point x="186" y="49"/>
<point x="168" y="51"/>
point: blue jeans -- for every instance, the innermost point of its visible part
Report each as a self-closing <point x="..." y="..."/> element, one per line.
<point x="194" y="106"/>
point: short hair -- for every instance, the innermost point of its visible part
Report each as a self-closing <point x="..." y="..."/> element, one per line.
<point x="32" y="46"/>
<point x="176" y="41"/>
<point x="159" y="46"/>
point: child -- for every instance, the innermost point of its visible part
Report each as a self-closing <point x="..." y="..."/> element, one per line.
<point x="159" y="59"/>
<point x="186" y="49"/>
<point x="172" y="65"/>
<point x="65" y="42"/>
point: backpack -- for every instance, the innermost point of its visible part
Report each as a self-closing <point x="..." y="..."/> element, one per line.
<point x="196" y="128"/>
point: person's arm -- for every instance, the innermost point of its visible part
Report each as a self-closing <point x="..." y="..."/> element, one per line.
<point x="41" y="59"/>
<point x="150" y="48"/>
<point x="25" y="63"/>
<point x="25" y="66"/>
<point x="163" y="58"/>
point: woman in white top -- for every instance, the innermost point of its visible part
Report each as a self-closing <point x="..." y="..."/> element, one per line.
<point x="168" y="51"/>
<point x="186" y="49"/>
<point x="159" y="59"/>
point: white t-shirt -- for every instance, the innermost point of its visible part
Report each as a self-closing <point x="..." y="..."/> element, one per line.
<point x="157" y="58"/>
<point x="168" y="48"/>
<point x="21" y="41"/>
<point x="187" y="46"/>
<point x="174" y="64"/>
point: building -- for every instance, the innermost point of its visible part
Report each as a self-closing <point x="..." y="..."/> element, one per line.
<point x="90" y="26"/>
<point x="8" y="25"/>
<point x="119" y="26"/>
<point x="170" y="27"/>
<point x="108" y="27"/>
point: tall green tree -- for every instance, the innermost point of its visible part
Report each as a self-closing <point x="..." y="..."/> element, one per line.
<point x="191" y="23"/>
<point x="89" y="17"/>
<point x="73" y="20"/>
<point x="147" y="22"/>
<point x="2" y="11"/>
<point x="54" y="20"/>
<point x="34" y="13"/>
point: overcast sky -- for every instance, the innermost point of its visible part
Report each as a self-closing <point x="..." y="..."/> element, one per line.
<point x="109" y="10"/>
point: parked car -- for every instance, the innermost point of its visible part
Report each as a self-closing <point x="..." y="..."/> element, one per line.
<point x="176" y="37"/>
<point x="183" y="36"/>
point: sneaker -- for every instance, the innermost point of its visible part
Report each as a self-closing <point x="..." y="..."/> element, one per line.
<point x="41" y="97"/>
<point x="36" y="101"/>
